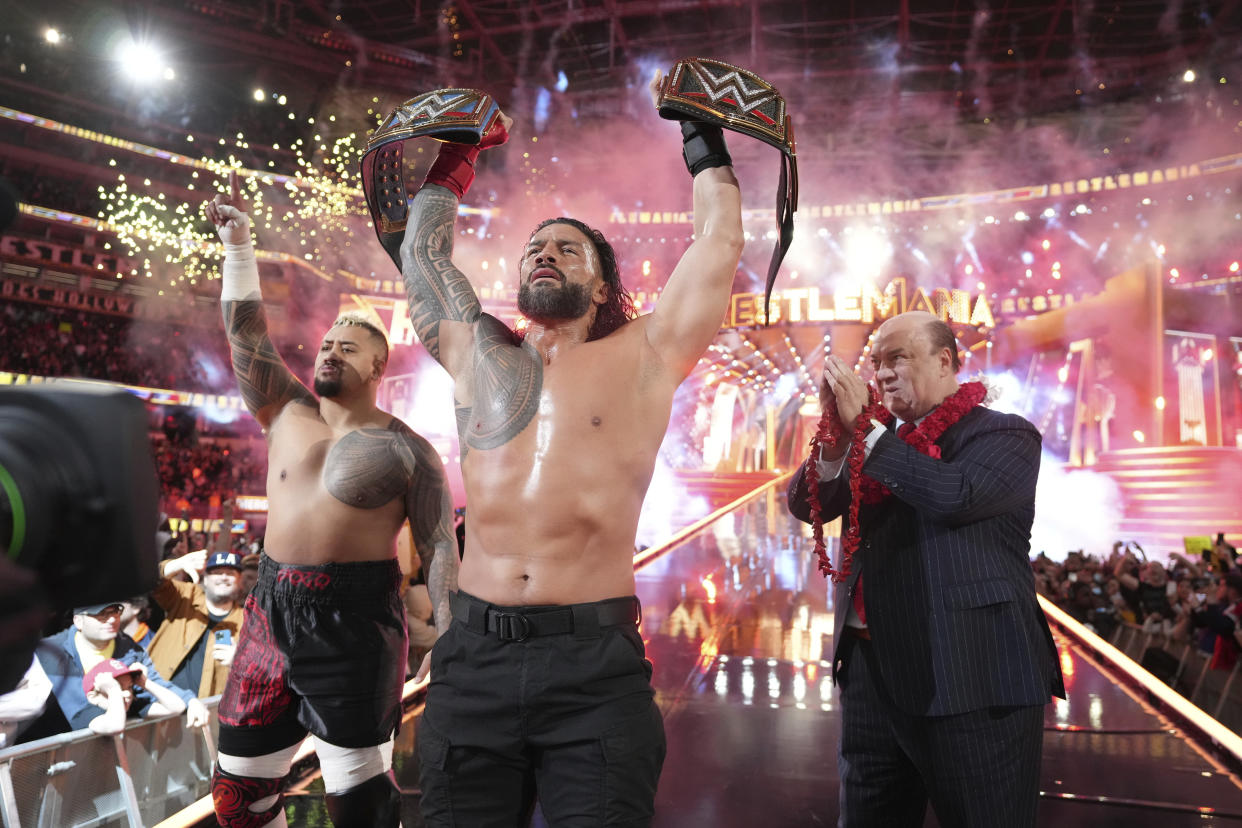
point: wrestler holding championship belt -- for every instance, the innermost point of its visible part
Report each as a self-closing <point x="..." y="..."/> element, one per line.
<point x="540" y="687"/>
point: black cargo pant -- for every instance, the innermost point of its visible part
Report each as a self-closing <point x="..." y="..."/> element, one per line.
<point x="547" y="701"/>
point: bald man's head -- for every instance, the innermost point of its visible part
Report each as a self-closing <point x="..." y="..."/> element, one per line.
<point x="916" y="363"/>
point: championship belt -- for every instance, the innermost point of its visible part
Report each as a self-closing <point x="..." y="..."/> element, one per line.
<point x="699" y="89"/>
<point x="459" y="116"/>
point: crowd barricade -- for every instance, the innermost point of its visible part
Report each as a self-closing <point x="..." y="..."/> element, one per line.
<point x="1216" y="692"/>
<point x="151" y="770"/>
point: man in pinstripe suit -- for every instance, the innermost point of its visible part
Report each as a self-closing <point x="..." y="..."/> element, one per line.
<point x="945" y="660"/>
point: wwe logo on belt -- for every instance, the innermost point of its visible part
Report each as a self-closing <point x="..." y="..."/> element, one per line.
<point x="428" y="107"/>
<point x="731" y="84"/>
<point x="306" y="580"/>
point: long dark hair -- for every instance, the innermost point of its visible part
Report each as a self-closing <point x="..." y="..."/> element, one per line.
<point x="619" y="308"/>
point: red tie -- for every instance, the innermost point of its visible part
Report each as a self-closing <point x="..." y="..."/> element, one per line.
<point x="903" y="431"/>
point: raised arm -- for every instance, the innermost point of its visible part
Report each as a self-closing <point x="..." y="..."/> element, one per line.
<point x="266" y="383"/>
<point x="429" y="509"/>
<point x="438" y="292"/>
<point x="690" y="309"/>
<point x="693" y="304"/>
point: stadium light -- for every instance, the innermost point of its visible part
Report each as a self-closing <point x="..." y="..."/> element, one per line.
<point x="52" y="35"/>
<point x="142" y="62"/>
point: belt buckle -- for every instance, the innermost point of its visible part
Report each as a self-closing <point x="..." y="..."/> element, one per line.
<point x="512" y="626"/>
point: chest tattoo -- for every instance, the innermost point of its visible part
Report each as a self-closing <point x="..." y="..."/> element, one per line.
<point x="508" y="379"/>
<point x="369" y="467"/>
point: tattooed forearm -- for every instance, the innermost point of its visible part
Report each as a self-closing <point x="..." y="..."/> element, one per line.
<point x="430" y="511"/>
<point x="436" y="289"/>
<point x="442" y="579"/>
<point x="265" y="381"/>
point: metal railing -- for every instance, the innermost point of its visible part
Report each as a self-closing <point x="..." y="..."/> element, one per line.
<point x="1216" y="692"/>
<point x="153" y="769"/>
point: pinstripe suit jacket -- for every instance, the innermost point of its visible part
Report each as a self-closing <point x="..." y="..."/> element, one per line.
<point x="949" y="593"/>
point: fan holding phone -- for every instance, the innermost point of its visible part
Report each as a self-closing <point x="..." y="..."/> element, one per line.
<point x="195" y="644"/>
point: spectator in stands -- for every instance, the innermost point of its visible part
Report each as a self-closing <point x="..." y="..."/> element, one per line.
<point x="1080" y="606"/>
<point x="134" y="618"/>
<point x="95" y="636"/>
<point x="195" y="644"/>
<point x="111" y="686"/>
<point x="1184" y="600"/>
<point x="249" y="576"/>
<point x="21" y="706"/>
<point x="1117" y="601"/>
<point x="1148" y="592"/>
<point x="1221" y="621"/>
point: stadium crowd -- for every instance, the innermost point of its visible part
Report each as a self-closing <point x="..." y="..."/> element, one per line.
<point x="1196" y="598"/>
<point x="59" y="342"/>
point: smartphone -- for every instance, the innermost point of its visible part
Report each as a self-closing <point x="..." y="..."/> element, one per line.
<point x="224" y="637"/>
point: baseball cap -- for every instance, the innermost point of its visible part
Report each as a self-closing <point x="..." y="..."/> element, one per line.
<point x="232" y="559"/>
<point x="95" y="609"/>
<point x="111" y="666"/>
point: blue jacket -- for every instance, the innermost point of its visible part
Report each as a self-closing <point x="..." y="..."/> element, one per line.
<point x="60" y="660"/>
<point x="948" y="588"/>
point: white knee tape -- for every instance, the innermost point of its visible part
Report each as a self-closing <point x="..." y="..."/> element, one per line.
<point x="344" y="768"/>
<point x="268" y="766"/>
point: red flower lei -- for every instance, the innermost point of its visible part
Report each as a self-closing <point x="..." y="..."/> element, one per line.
<point x="863" y="489"/>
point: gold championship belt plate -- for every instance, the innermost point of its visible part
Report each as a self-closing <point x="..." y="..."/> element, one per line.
<point x="460" y="116"/>
<point x="701" y="89"/>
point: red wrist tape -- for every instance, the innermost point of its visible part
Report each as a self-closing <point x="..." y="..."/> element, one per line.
<point x="454" y="168"/>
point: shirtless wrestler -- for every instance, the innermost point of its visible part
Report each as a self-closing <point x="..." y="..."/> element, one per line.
<point x="323" y="645"/>
<point x="541" y="686"/>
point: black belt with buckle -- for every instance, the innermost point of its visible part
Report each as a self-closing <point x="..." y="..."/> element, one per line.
<point x="521" y="623"/>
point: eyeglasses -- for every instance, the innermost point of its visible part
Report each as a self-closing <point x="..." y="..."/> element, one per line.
<point x="110" y="610"/>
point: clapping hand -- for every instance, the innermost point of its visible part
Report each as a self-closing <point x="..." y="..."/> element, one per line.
<point x="846" y="390"/>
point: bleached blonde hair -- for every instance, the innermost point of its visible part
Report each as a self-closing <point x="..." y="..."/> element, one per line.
<point x="356" y="319"/>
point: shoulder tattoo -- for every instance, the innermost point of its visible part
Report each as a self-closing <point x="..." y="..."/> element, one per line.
<point x="508" y="379"/>
<point x="369" y="467"/>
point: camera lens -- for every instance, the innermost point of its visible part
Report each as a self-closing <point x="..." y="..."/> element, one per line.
<point x="78" y="494"/>
<point x="40" y="470"/>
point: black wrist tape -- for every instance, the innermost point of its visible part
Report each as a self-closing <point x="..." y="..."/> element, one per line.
<point x="703" y="146"/>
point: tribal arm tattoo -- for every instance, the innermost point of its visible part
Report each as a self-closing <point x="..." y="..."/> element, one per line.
<point x="267" y="385"/>
<point x="436" y="289"/>
<point x="430" y="511"/>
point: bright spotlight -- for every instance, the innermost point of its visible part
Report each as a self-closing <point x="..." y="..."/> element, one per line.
<point x="51" y="35"/>
<point x="867" y="254"/>
<point x="143" y="63"/>
<point x="1140" y="437"/>
<point x="260" y="95"/>
<point x="1189" y="77"/>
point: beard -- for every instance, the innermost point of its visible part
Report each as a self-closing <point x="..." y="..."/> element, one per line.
<point x="569" y="301"/>
<point x="329" y="386"/>
<point x="218" y="595"/>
